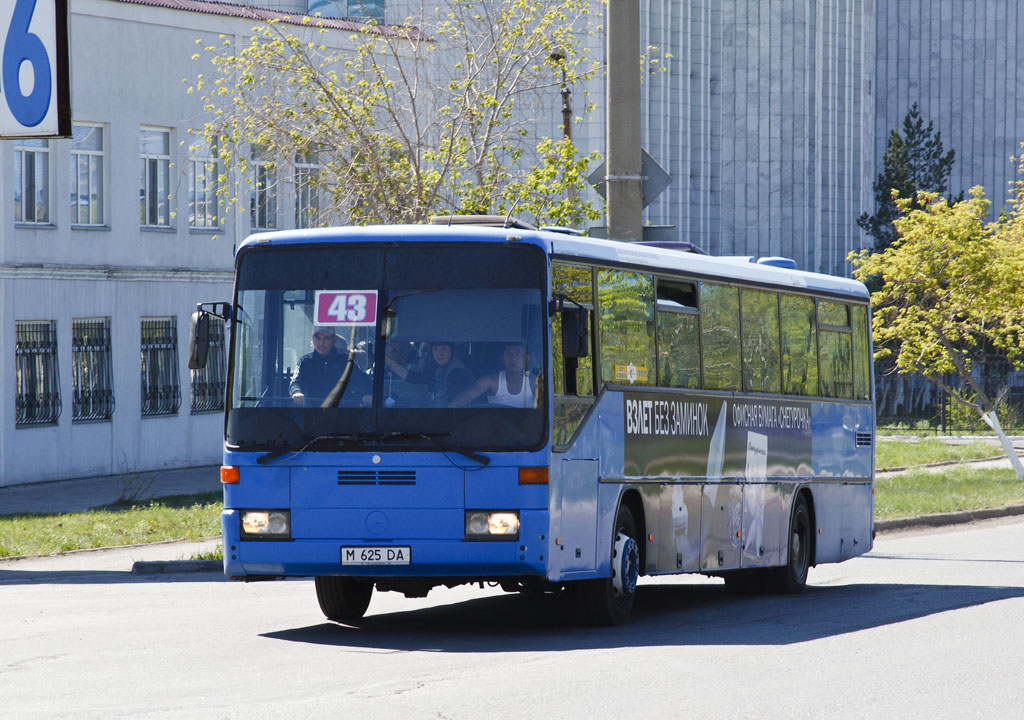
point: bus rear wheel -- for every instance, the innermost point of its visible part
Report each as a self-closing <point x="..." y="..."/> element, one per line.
<point x="791" y="578"/>
<point x="609" y="601"/>
<point x="343" y="599"/>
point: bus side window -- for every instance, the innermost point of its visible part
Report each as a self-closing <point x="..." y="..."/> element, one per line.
<point x="678" y="335"/>
<point x="572" y="377"/>
<point x="835" y="352"/>
<point x="762" y="370"/>
<point x="861" y="353"/>
<point x="626" y="333"/>
<point x="720" y="335"/>
<point x="799" y="345"/>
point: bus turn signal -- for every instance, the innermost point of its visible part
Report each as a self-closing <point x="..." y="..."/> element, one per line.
<point x="228" y="475"/>
<point x="533" y="475"/>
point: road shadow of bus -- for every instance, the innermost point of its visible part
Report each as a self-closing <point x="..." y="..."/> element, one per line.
<point x="669" y="614"/>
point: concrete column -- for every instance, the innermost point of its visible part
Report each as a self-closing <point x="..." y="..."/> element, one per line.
<point x="622" y="153"/>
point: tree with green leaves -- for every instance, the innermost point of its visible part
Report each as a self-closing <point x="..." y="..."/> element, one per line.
<point x="914" y="161"/>
<point x="405" y="122"/>
<point x="951" y="293"/>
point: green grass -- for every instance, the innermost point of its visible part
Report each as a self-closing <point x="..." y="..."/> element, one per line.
<point x="907" y="453"/>
<point x="177" y="517"/>
<point x="920" y="492"/>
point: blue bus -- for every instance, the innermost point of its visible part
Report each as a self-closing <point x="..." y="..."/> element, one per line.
<point x="417" y="406"/>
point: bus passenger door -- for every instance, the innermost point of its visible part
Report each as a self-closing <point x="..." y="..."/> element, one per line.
<point x="578" y="513"/>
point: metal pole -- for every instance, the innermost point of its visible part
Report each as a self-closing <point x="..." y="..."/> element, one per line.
<point x="622" y="154"/>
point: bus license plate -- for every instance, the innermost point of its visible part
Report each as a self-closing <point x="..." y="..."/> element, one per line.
<point x="375" y="555"/>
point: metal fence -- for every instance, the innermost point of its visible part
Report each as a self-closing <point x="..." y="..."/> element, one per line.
<point x="912" y="402"/>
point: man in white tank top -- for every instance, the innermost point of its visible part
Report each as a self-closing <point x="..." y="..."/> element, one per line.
<point x="510" y="387"/>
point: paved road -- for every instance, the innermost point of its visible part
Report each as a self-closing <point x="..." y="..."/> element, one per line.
<point x="929" y="625"/>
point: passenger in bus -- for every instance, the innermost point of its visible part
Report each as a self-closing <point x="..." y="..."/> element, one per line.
<point x="447" y="378"/>
<point x="319" y="371"/>
<point x="511" y="386"/>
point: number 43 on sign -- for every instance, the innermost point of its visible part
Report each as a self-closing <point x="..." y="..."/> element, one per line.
<point x="345" y="308"/>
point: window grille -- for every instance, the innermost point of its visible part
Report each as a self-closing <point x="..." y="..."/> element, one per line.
<point x="209" y="383"/>
<point x="93" y="387"/>
<point x="161" y="391"/>
<point x="38" y="382"/>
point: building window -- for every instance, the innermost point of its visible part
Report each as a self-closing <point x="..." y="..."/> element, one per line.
<point x="354" y="9"/>
<point x="208" y="384"/>
<point x="86" y="175"/>
<point x="263" y="200"/>
<point x="202" y="193"/>
<point x="161" y="392"/>
<point x="307" y="192"/>
<point x="38" y="383"/>
<point x="93" y="386"/>
<point x="32" y="181"/>
<point x="154" y="190"/>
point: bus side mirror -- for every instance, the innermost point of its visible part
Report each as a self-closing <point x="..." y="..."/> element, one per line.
<point x="198" y="340"/>
<point x="575" y="333"/>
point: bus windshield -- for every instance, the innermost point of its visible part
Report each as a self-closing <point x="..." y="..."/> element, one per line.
<point x="447" y="343"/>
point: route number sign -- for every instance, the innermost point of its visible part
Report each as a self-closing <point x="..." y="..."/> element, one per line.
<point x="345" y="308"/>
<point x="35" y="98"/>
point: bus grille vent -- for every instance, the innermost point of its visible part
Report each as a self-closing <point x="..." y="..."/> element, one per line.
<point x="376" y="477"/>
<point x="863" y="439"/>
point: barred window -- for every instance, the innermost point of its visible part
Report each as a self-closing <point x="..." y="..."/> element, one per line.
<point x="93" y="386"/>
<point x="38" y="383"/>
<point x="208" y="384"/>
<point x="161" y="392"/>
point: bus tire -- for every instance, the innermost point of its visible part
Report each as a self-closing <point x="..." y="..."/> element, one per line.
<point x="343" y="599"/>
<point x="609" y="601"/>
<point x="791" y="578"/>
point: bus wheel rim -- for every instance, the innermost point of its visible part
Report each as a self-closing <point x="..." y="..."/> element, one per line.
<point x="625" y="565"/>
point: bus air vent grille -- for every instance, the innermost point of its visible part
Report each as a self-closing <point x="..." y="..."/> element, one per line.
<point x="863" y="439"/>
<point x="376" y="477"/>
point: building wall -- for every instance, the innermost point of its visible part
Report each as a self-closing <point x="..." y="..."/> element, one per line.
<point x="128" y="64"/>
<point x="958" y="60"/>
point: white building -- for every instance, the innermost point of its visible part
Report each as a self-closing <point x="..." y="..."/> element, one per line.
<point x="107" y="242"/>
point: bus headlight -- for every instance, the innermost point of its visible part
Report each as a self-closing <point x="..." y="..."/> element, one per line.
<point x="492" y="525"/>
<point x="268" y="524"/>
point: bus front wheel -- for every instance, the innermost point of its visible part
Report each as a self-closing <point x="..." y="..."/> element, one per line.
<point x="343" y="599"/>
<point x="609" y="601"/>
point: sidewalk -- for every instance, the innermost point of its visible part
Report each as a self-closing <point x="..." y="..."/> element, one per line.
<point x="62" y="496"/>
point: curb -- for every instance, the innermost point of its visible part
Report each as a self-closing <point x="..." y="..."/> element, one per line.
<point x="951" y="518"/>
<point x="165" y="567"/>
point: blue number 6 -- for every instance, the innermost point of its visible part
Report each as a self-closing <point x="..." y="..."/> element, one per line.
<point x="23" y="46"/>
